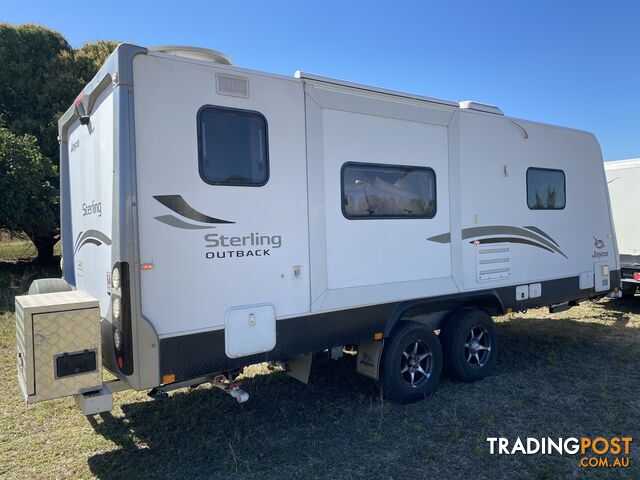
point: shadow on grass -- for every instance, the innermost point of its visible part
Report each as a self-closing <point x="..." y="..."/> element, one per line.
<point x="16" y="276"/>
<point x="202" y="433"/>
<point x="554" y="377"/>
<point x="623" y="306"/>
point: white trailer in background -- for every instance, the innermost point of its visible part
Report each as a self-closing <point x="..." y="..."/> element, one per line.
<point x="623" y="179"/>
<point x="224" y="217"/>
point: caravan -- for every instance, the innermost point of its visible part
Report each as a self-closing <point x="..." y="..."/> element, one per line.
<point x="221" y="217"/>
<point x="623" y="179"/>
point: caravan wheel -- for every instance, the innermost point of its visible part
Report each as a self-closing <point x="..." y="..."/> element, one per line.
<point x="470" y="344"/>
<point x="411" y="363"/>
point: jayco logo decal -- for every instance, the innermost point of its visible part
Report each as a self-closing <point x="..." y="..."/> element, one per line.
<point x="599" y="244"/>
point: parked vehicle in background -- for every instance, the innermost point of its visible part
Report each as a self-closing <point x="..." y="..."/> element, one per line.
<point x="623" y="179"/>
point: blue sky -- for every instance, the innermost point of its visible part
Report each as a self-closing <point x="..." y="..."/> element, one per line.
<point x="571" y="63"/>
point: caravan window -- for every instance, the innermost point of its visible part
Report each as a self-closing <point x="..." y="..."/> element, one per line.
<point x="387" y="191"/>
<point x="546" y="189"/>
<point x="232" y="147"/>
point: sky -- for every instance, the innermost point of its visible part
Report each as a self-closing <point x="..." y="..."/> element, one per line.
<point x="566" y="62"/>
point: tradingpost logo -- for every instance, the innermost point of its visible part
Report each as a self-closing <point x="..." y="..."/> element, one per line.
<point x="596" y="452"/>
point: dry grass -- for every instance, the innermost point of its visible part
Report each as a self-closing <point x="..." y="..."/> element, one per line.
<point x="17" y="247"/>
<point x="570" y="374"/>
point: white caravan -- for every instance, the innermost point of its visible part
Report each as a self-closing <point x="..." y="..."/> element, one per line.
<point x="223" y="217"/>
<point x="623" y="179"/>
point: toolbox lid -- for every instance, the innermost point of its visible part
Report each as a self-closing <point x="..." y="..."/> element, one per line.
<point x="47" y="302"/>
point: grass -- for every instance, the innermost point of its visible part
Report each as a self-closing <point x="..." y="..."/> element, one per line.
<point x="571" y="374"/>
<point x="18" y="247"/>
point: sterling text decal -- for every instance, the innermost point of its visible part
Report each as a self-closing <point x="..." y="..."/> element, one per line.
<point x="252" y="245"/>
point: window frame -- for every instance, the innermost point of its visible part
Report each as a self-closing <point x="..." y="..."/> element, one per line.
<point x="389" y="166"/>
<point x="564" y="186"/>
<point x="200" y="152"/>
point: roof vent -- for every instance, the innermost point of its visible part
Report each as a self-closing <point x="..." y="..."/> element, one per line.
<point x="480" y="107"/>
<point x="203" y="54"/>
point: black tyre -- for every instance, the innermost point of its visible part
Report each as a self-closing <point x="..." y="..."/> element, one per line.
<point x="411" y="363"/>
<point x="469" y="344"/>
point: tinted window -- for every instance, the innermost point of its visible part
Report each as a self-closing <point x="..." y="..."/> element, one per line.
<point x="232" y="147"/>
<point x="388" y="191"/>
<point x="545" y="189"/>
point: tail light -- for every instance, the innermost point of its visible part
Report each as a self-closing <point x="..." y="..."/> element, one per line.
<point x="121" y="317"/>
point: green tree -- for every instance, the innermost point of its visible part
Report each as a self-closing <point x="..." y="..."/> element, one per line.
<point x="40" y="75"/>
<point x="37" y="82"/>
<point x="90" y="58"/>
<point x="28" y="191"/>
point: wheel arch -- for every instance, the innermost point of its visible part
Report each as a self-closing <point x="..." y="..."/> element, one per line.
<point x="432" y="312"/>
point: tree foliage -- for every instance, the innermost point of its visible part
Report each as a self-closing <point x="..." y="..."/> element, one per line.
<point x="90" y="58"/>
<point x="28" y="191"/>
<point x="40" y="76"/>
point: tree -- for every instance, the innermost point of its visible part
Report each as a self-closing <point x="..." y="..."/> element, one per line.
<point x="90" y="58"/>
<point x="40" y="75"/>
<point x="37" y="82"/>
<point x="28" y="192"/>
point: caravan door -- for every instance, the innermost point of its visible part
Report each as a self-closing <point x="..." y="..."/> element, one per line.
<point x="384" y="190"/>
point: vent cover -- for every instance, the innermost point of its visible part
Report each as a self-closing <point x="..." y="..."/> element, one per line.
<point x="480" y="107"/>
<point x="232" y="85"/>
<point x="196" y="53"/>
<point x="493" y="261"/>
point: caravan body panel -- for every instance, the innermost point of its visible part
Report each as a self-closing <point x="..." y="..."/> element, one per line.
<point x="90" y="154"/>
<point x="496" y="164"/>
<point x="194" y="280"/>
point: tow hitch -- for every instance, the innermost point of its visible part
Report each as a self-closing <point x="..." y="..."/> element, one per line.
<point x="232" y="389"/>
<point x="219" y="381"/>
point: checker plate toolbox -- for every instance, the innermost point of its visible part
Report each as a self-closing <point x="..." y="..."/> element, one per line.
<point x="58" y="345"/>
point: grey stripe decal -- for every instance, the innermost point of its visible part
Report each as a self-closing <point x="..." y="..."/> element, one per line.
<point x="93" y="241"/>
<point x="95" y="237"/>
<point x="181" y="207"/>
<point x="507" y="230"/>
<point x="475" y="232"/>
<point x="540" y="232"/>
<point x="513" y="240"/>
<point x="442" y="238"/>
<point x="75" y="245"/>
<point x="176" y="222"/>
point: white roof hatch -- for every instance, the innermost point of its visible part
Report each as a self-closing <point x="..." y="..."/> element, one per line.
<point x="196" y="53"/>
<point x="480" y="107"/>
